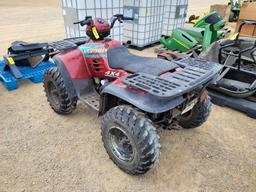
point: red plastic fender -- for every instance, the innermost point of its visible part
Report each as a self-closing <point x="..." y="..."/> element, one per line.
<point x="75" y="64"/>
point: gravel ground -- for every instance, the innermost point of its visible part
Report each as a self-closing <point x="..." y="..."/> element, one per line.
<point x="43" y="151"/>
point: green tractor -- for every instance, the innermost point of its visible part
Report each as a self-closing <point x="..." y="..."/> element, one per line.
<point x="204" y="32"/>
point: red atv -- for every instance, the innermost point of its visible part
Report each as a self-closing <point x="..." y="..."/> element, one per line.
<point x="135" y="95"/>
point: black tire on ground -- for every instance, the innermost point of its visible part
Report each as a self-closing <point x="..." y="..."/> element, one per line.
<point x="56" y="92"/>
<point x="197" y="116"/>
<point x="130" y="139"/>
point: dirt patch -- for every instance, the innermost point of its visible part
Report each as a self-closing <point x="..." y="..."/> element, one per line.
<point x="43" y="151"/>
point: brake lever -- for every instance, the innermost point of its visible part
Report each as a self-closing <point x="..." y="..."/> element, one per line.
<point x="120" y="20"/>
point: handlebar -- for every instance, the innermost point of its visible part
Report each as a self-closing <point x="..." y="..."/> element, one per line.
<point x="87" y="21"/>
<point x="117" y="17"/>
<point x="120" y="18"/>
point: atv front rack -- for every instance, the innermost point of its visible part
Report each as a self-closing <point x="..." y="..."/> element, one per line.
<point x="67" y="44"/>
<point x="195" y="74"/>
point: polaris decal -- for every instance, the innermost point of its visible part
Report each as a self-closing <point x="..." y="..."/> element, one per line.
<point x="94" y="50"/>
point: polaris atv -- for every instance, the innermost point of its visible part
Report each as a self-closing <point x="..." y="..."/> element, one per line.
<point x="135" y="95"/>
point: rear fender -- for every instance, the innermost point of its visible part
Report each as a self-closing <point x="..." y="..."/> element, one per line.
<point x="75" y="73"/>
<point x="139" y="99"/>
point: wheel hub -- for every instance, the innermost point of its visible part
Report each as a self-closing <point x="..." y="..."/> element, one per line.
<point x="121" y="144"/>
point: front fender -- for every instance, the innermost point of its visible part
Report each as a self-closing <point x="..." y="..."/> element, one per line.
<point x="141" y="100"/>
<point x="66" y="78"/>
<point x="75" y="73"/>
<point x="75" y="64"/>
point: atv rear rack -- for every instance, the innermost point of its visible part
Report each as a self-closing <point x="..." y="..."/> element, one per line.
<point x="195" y="74"/>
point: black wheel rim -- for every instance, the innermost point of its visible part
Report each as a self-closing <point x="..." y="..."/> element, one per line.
<point x="53" y="94"/>
<point x="121" y="144"/>
<point x="187" y="114"/>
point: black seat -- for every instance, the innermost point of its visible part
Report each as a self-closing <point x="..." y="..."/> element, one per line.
<point x="20" y="46"/>
<point x="121" y="58"/>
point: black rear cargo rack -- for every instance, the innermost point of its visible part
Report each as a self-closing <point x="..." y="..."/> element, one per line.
<point x="195" y="74"/>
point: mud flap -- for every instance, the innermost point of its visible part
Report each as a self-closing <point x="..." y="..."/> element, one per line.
<point x="78" y="88"/>
<point x="67" y="80"/>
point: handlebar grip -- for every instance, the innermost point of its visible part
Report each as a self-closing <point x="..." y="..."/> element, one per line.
<point x="118" y="15"/>
<point x="85" y="22"/>
<point x="128" y="18"/>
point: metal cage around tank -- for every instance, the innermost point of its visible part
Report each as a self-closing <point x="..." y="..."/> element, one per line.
<point x="152" y="18"/>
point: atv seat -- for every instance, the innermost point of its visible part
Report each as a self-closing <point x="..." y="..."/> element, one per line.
<point x="23" y="46"/>
<point x="121" y="58"/>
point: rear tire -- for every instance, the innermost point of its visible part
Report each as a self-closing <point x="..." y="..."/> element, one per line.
<point x="196" y="116"/>
<point x="130" y="139"/>
<point x="56" y="92"/>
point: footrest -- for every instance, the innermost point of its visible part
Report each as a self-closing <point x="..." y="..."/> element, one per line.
<point x="92" y="99"/>
<point x="195" y="74"/>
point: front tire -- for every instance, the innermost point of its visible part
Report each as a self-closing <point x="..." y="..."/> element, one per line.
<point x="196" y="116"/>
<point x="130" y="139"/>
<point x="56" y="92"/>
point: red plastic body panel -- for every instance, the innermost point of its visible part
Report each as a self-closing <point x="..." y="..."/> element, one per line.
<point x="90" y="60"/>
<point x="75" y="64"/>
